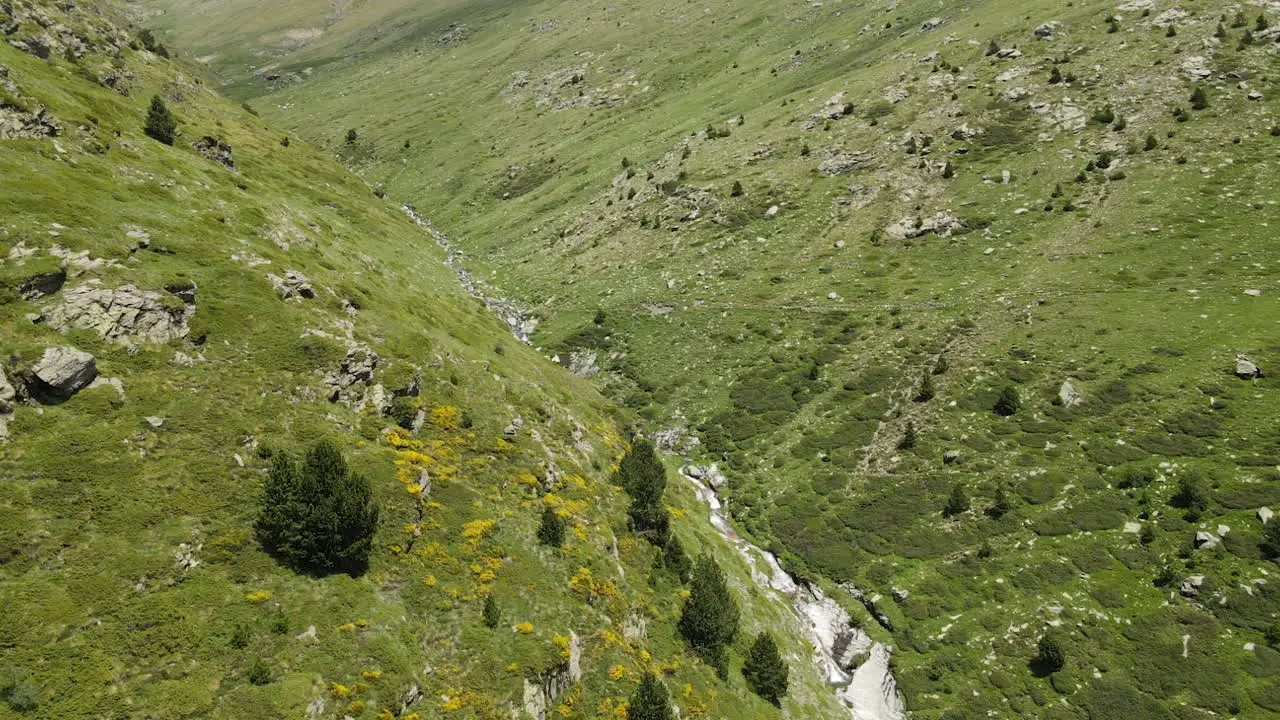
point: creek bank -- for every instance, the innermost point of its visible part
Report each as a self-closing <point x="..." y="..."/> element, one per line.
<point x="869" y="691"/>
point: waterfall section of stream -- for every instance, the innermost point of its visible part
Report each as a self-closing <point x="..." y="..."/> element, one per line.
<point x="869" y="691"/>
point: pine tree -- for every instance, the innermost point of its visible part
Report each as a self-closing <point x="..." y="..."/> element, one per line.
<point x="926" y="391"/>
<point x="957" y="503"/>
<point x="1003" y="502"/>
<point x="1008" y="402"/>
<point x="1199" y="99"/>
<point x="160" y="124"/>
<point x="908" y="440"/>
<point x="1171" y="32"/>
<point x="319" y="517"/>
<point x="675" y="559"/>
<point x="1151" y="143"/>
<point x="765" y="671"/>
<point x="709" y="620"/>
<point x="737" y="189"/>
<point x="644" y="477"/>
<point x="992" y="48"/>
<point x="491" y="616"/>
<point x="948" y="171"/>
<point x="649" y="701"/>
<point x="1050" y="654"/>
<point x="1055" y="76"/>
<point x="551" y="531"/>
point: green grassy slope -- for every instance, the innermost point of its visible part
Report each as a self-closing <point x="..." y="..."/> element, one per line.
<point x="130" y="580"/>
<point x="1130" y="251"/>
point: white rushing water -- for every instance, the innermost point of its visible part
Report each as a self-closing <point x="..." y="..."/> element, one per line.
<point x="870" y="691"/>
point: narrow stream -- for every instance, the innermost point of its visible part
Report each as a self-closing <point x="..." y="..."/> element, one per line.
<point x="507" y="310"/>
<point x="870" y="691"/>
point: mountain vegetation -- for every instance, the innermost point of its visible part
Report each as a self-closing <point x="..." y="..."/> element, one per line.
<point x="965" y="312"/>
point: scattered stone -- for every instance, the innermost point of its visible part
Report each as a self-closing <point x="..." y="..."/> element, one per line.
<point x="583" y="363"/>
<point x="1191" y="586"/>
<point x="184" y="559"/>
<point x="1223" y="530"/>
<point x="634" y="627"/>
<point x="309" y="634"/>
<point x="1205" y="540"/>
<point x="1009" y="54"/>
<point x="7" y="394"/>
<point x="834" y="109"/>
<point x="294" y="285"/>
<point x="942" y="224"/>
<point x="1069" y="395"/>
<point x="61" y="373"/>
<point x="1246" y="369"/>
<point x="1254" y="96"/>
<point x="123" y="315"/>
<point x="772" y="212"/>
<point x="215" y="149"/>
<point x="514" y="427"/>
<point x="1196" y="68"/>
<point x="1046" y="31"/>
<point x="842" y="163"/>
<point x="154" y="421"/>
<point x="1132" y="528"/>
<point x="951" y="457"/>
<point x="965" y="132"/>
<point x="1252" y="292"/>
<point x="114" y="383"/>
<point x="899" y="595"/>
<point x="931" y="24"/>
<point x="1006" y="177"/>
<point x="1265" y="514"/>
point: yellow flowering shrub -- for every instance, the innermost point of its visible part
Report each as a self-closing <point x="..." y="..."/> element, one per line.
<point x="444" y="417"/>
<point x="371" y="674"/>
<point x="562" y="643"/>
<point x="617" y="672"/>
<point x="524" y="628"/>
<point x="258" y="596"/>
<point x="339" y="691"/>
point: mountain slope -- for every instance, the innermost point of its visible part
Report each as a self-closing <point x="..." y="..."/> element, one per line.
<point x="1071" y="201"/>
<point x="238" y="295"/>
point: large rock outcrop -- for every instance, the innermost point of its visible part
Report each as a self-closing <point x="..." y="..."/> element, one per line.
<point x="541" y="692"/>
<point x="352" y="383"/>
<point x="125" y="315"/>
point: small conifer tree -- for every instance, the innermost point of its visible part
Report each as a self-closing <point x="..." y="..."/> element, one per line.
<point x="160" y="124"/>
<point x="1008" y="402"/>
<point x="709" y="620"/>
<point x="318" y="516"/>
<point x="650" y="700"/>
<point x="491" y="616"/>
<point x="551" y="530"/>
<point x="765" y="671"/>
<point x="957" y="502"/>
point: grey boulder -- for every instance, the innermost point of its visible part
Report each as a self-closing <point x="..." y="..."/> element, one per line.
<point x="61" y="373"/>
